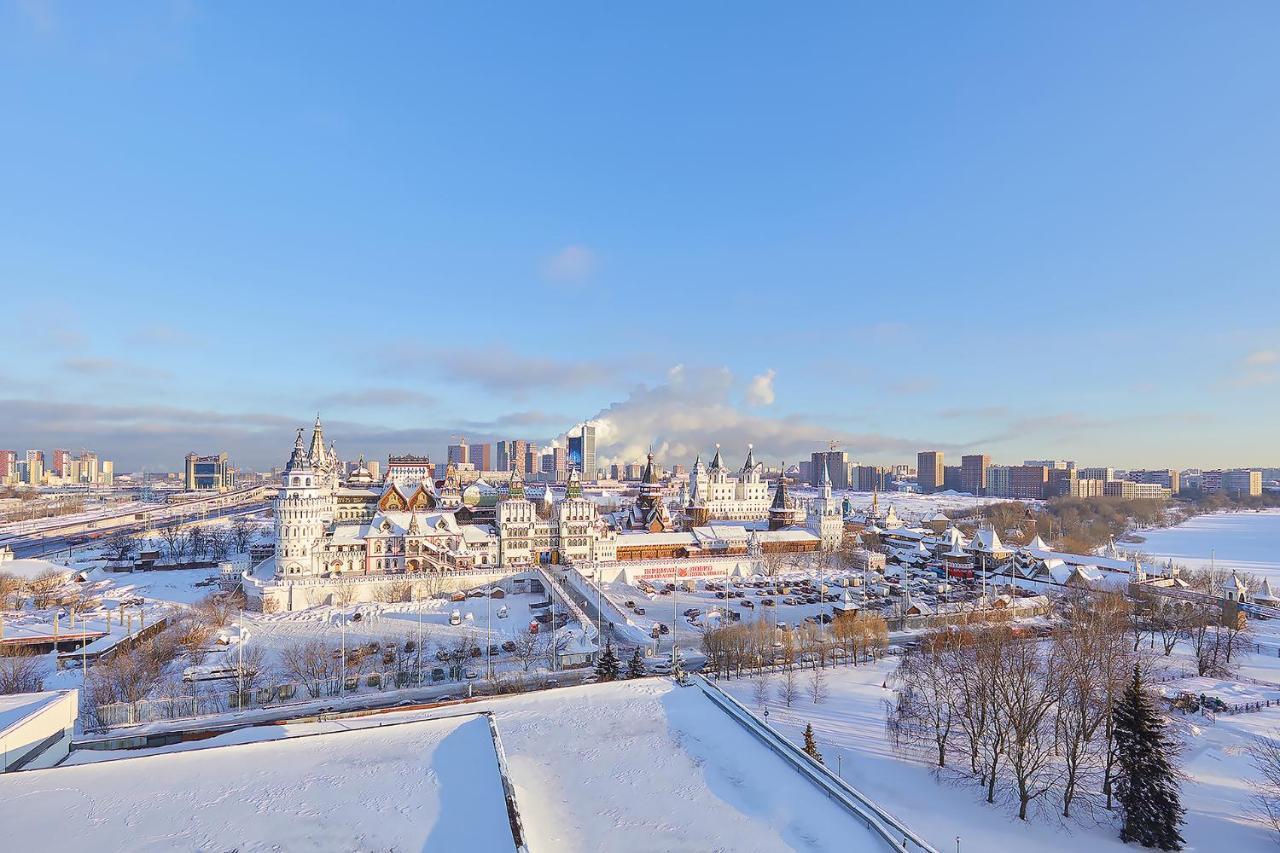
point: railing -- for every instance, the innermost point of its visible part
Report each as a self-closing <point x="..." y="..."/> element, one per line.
<point x="891" y="830"/>
<point x="216" y="700"/>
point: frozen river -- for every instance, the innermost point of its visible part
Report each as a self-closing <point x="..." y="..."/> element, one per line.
<point x="1248" y="541"/>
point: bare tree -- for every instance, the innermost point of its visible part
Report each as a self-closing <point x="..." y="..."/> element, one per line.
<point x="177" y="541"/>
<point x="10" y="591"/>
<point x="774" y="563"/>
<point x="243" y="532"/>
<point x="1265" y="752"/>
<point x="252" y="662"/>
<point x="344" y="595"/>
<point x="817" y="686"/>
<point x="44" y="588"/>
<point x="218" y="544"/>
<point x="120" y="545"/>
<point x="788" y="686"/>
<point x="198" y="537"/>
<point x="527" y="649"/>
<point x="1029" y="685"/>
<point x="761" y="685"/>
<point x="926" y="703"/>
<point x="22" y="672"/>
<point x="311" y="662"/>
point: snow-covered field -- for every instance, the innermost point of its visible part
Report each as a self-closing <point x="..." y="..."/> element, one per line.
<point x="850" y="731"/>
<point x="1248" y="541"/>
<point x="420" y="786"/>
<point x="908" y="505"/>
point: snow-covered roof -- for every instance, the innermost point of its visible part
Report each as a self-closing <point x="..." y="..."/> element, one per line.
<point x="30" y="569"/>
<point x="1266" y="594"/>
<point x="1233" y="584"/>
<point x="987" y="541"/>
<point x="639" y="539"/>
<point x="16" y="707"/>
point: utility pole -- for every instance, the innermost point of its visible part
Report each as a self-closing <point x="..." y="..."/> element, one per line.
<point x="342" y="685"/>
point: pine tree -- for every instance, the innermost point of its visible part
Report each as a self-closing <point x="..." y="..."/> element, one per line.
<point x="1146" y="782"/>
<point x="607" y="667"/>
<point x="811" y="745"/>
<point x="635" y="669"/>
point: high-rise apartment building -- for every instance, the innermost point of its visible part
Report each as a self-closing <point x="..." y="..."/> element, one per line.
<point x="61" y="463"/>
<point x="930" y="471"/>
<point x="1029" y="482"/>
<point x="35" y="467"/>
<point x="1106" y="475"/>
<point x="1242" y="482"/>
<point x="481" y="456"/>
<point x="459" y="454"/>
<point x="1165" y="477"/>
<point x="582" y="452"/>
<point x="532" y="463"/>
<point x="973" y="473"/>
<point x="998" y="481"/>
<point x="502" y="456"/>
<point x="951" y="478"/>
<point x="517" y="448"/>
<point x="870" y="478"/>
<point x="836" y="463"/>
<point x="1064" y="464"/>
<point x="8" y="466"/>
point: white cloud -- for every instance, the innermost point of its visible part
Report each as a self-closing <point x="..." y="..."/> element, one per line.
<point x="694" y="409"/>
<point x="570" y="265"/>
<point x="760" y="391"/>
<point x="1262" y="357"/>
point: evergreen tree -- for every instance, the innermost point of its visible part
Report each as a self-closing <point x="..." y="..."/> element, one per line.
<point x="1146" y="782"/>
<point x="635" y="669"/>
<point x="607" y="667"/>
<point x="810" y="745"/>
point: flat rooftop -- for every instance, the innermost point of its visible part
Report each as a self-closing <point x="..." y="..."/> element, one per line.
<point x="427" y="785"/>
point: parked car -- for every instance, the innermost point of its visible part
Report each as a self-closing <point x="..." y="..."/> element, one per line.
<point x="639" y="611"/>
<point x="509" y="646"/>
<point x="746" y="602"/>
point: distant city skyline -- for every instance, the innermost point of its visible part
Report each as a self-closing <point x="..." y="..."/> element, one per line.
<point x="780" y="227"/>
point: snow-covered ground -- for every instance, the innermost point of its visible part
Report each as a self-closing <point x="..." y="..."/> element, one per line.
<point x="628" y="766"/>
<point x="908" y="505"/>
<point x="420" y="786"/>
<point x="1248" y="541"/>
<point x="850" y="731"/>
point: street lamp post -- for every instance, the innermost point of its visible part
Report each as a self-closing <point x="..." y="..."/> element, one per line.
<point x="342" y="684"/>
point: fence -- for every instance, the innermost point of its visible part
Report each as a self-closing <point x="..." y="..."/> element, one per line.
<point x="227" y="698"/>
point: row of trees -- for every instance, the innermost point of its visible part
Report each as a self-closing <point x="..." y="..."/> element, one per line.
<point x="180" y="540"/>
<point x="1005" y="710"/>
<point x="47" y="589"/>
<point x="735" y="648"/>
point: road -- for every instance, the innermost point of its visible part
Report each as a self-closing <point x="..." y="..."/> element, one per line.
<point x="41" y="545"/>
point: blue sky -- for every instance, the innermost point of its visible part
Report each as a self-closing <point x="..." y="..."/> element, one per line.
<point x="1024" y="229"/>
